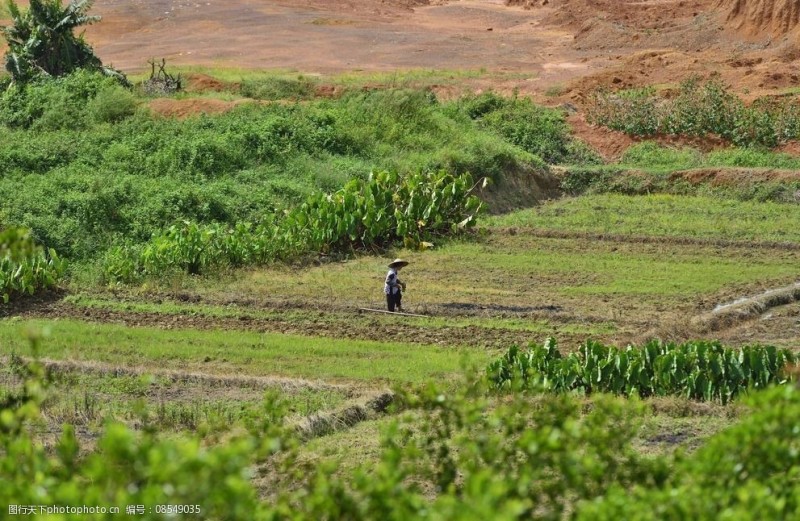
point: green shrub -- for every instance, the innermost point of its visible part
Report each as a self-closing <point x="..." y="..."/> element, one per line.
<point x="635" y="112"/>
<point x="699" y="109"/>
<point x="52" y="104"/>
<point x="129" y="468"/>
<point x="540" y="131"/>
<point x="749" y="471"/>
<point x="459" y="453"/>
<point x="111" y="105"/>
<point x="278" y="88"/>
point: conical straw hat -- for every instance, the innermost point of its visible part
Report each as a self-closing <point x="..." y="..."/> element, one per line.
<point x="398" y="263"/>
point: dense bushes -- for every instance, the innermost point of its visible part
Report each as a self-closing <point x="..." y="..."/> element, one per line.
<point x="538" y="130"/>
<point x="699" y="109"/>
<point x="72" y="102"/>
<point x="385" y="209"/>
<point x="127" y="468"/>
<point x="25" y="267"/>
<point x="96" y="175"/>
<point x="697" y="370"/>
<point x="458" y="454"/>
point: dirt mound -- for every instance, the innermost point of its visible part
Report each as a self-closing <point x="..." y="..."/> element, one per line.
<point x="184" y="108"/>
<point x="527" y="4"/>
<point x="610" y="144"/>
<point x="654" y="15"/>
<point x="198" y="82"/>
<point x="521" y="188"/>
<point x="757" y="17"/>
<point x="746" y="308"/>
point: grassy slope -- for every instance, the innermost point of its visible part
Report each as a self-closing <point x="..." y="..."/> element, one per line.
<point x="90" y="183"/>
<point x="654" y="157"/>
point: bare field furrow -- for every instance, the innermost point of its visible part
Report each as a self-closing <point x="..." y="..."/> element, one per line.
<point x="469" y="335"/>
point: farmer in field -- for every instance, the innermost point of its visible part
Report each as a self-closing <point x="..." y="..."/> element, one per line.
<point x="394" y="287"/>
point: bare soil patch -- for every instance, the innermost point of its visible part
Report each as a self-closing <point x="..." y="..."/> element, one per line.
<point x="199" y="83"/>
<point x="341" y="324"/>
<point x="610" y="144"/>
<point x="579" y="44"/>
<point x="756" y="17"/>
<point x="184" y="108"/>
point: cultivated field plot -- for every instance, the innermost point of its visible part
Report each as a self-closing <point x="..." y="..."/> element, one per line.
<point x="614" y="268"/>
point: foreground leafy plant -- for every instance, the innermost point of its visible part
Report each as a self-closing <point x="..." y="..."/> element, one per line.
<point x="460" y="453"/>
<point x="697" y="370"/>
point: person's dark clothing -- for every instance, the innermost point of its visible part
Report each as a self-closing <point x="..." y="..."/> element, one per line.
<point x="392" y="289"/>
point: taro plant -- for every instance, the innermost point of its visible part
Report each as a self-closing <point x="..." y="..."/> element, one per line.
<point x="25" y="267"/>
<point x="698" y="370"/>
<point x="385" y="209"/>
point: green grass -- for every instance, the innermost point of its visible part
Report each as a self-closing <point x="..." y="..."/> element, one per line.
<point x="651" y="156"/>
<point x="598" y="285"/>
<point x="575" y="267"/>
<point x="408" y="78"/>
<point x="662" y="216"/>
<point x="240" y="352"/>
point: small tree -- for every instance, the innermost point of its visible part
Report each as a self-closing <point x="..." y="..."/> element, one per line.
<point x="41" y="41"/>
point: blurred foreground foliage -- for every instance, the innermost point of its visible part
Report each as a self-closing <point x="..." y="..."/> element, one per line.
<point x="462" y="453"/>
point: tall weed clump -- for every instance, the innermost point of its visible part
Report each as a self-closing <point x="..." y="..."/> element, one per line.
<point x="698" y="110"/>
